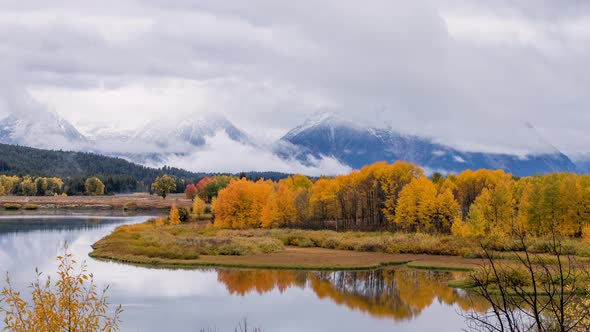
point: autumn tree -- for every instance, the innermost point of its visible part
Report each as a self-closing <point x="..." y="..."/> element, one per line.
<point x="241" y="203"/>
<point x="94" y="186"/>
<point x="201" y="185"/>
<point x="300" y="192"/>
<point x="280" y="209"/>
<point x="396" y="177"/>
<point x="28" y="187"/>
<point x="8" y="184"/>
<point x="198" y="207"/>
<point x="213" y="187"/>
<point x="54" y="186"/>
<point x="417" y="206"/>
<point x="493" y="212"/>
<point x="191" y="191"/>
<point x="72" y="303"/>
<point x="164" y="185"/>
<point x="174" y="218"/>
<point x="469" y="185"/>
<point x="446" y="211"/>
<point x="297" y="182"/>
<point x="270" y="214"/>
<point x="323" y="202"/>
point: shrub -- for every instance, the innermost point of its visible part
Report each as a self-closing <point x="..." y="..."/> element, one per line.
<point x="30" y="207"/>
<point x="183" y="214"/>
<point x="130" y="206"/>
<point x="12" y="206"/>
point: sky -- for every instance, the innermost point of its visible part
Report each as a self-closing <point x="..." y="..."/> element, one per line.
<point x="477" y="75"/>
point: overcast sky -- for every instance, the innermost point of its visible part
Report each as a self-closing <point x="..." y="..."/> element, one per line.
<point x="473" y="74"/>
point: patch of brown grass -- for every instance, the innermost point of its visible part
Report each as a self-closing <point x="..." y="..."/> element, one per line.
<point x="179" y="242"/>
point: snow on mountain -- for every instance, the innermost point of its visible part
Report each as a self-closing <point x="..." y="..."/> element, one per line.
<point x="357" y="146"/>
<point x="41" y="129"/>
<point x="324" y="137"/>
<point x="163" y="139"/>
<point x="194" y="131"/>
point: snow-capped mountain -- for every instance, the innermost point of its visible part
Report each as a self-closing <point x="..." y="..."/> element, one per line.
<point x="161" y="139"/>
<point x="350" y="144"/>
<point x="194" y="131"/>
<point x="357" y="146"/>
<point x="42" y="129"/>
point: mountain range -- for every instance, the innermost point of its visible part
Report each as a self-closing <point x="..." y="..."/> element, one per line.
<point x="357" y="146"/>
<point x="325" y="136"/>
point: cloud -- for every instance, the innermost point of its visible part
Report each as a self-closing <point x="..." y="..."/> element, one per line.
<point x="221" y="154"/>
<point x="467" y="73"/>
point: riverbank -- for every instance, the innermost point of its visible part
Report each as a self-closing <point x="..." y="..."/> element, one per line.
<point x="292" y="258"/>
<point x="131" y="202"/>
<point x="200" y="245"/>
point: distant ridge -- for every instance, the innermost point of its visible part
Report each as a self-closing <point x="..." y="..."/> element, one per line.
<point x="357" y="146"/>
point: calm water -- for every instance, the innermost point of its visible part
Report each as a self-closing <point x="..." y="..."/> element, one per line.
<point x="181" y="300"/>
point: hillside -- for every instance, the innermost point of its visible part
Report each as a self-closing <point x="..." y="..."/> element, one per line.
<point x="20" y="160"/>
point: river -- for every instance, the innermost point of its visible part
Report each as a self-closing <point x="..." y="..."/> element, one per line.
<point x="393" y="299"/>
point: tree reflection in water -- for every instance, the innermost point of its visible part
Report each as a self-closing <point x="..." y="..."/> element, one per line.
<point x="398" y="293"/>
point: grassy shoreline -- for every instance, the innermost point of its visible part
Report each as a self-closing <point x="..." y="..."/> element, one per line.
<point x="196" y="245"/>
<point x="341" y="260"/>
<point x="297" y="259"/>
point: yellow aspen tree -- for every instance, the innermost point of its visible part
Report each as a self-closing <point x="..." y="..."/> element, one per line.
<point x="285" y="199"/>
<point x="270" y="214"/>
<point x="447" y="209"/>
<point x="198" y="207"/>
<point x="72" y="303"/>
<point x="569" y="205"/>
<point x="174" y="218"/>
<point x="323" y="200"/>
<point x="416" y="206"/>
<point x="393" y="179"/>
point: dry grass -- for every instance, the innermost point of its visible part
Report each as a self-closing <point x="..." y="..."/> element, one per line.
<point x="194" y="245"/>
<point x="182" y="242"/>
<point x="127" y="202"/>
<point x="200" y="244"/>
<point x="290" y="258"/>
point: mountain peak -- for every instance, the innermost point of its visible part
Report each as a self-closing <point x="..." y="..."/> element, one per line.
<point x="357" y="146"/>
<point x="192" y="129"/>
<point x="44" y="129"/>
<point x="319" y="120"/>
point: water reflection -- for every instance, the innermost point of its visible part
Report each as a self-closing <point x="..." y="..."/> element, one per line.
<point x="189" y="300"/>
<point x="397" y="293"/>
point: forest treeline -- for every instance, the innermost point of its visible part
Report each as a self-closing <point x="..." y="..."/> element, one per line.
<point x="399" y="197"/>
<point x="118" y="175"/>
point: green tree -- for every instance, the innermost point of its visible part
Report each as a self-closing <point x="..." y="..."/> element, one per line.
<point x="164" y="185"/>
<point x="94" y="186"/>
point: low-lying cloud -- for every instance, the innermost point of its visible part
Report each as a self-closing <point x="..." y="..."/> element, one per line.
<point x="221" y="154"/>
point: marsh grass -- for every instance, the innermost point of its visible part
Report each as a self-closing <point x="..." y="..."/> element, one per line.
<point x="180" y="242"/>
<point x="30" y="207"/>
<point x="202" y="244"/>
<point x="405" y="243"/>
